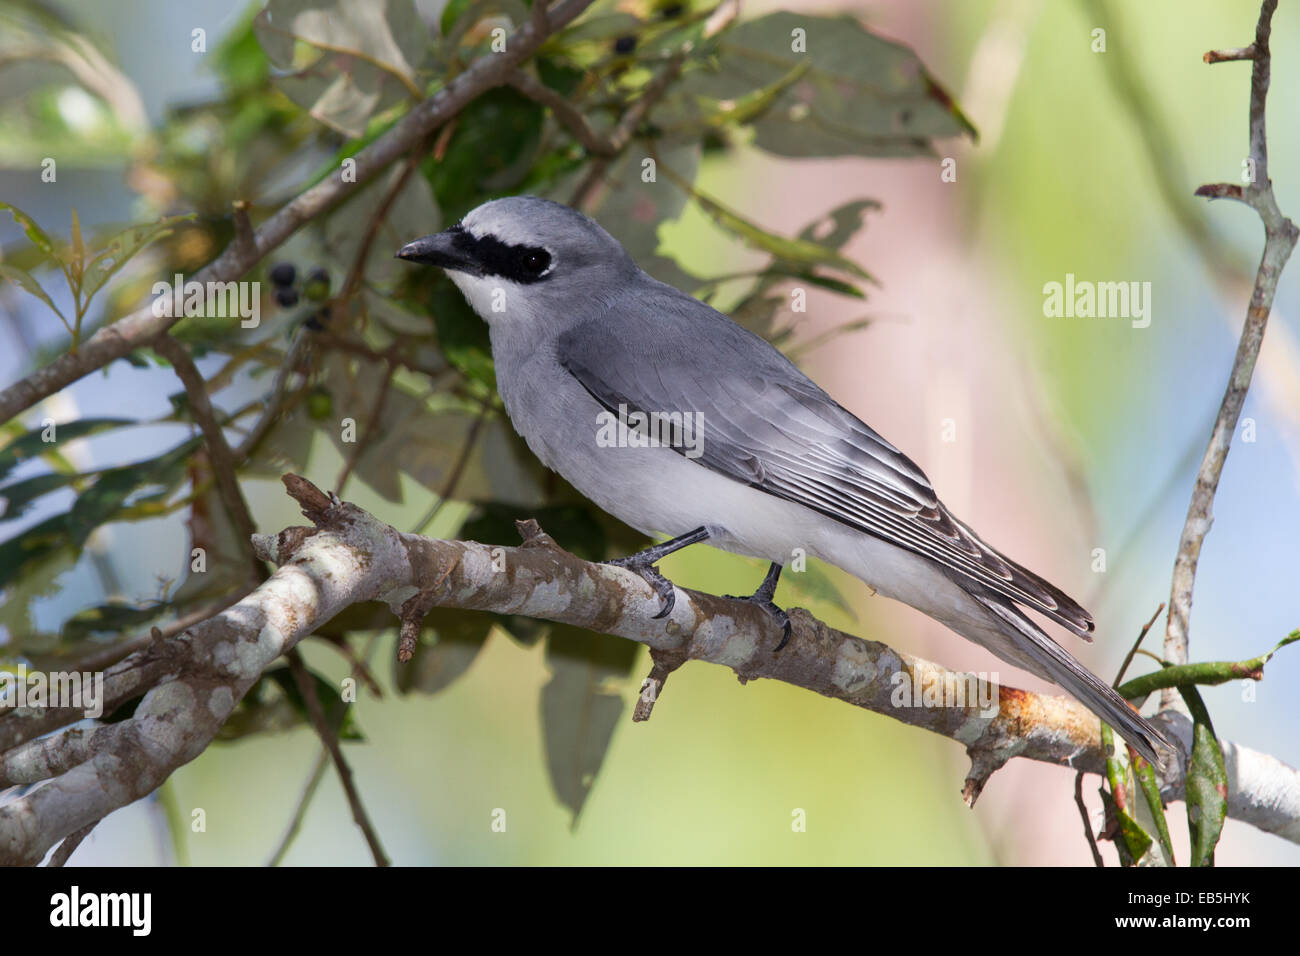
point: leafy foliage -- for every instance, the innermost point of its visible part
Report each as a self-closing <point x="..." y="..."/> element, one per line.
<point x="386" y="367"/>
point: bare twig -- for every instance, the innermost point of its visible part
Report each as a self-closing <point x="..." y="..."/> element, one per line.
<point x="1227" y="56"/>
<point x="626" y="128"/>
<point x="368" y="432"/>
<point x="1128" y="658"/>
<point x="219" y="452"/>
<point x="300" y="811"/>
<point x="1279" y="240"/>
<point x="353" y="279"/>
<point x="70" y="844"/>
<point x="1087" y="822"/>
<point x="568" y="116"/>
<point x="330" y="738"/>
<point x="457" y="470"/>
<point x="664" y="663"/>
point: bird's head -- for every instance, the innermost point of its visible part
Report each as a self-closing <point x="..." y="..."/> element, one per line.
<point x="527" y="257"/>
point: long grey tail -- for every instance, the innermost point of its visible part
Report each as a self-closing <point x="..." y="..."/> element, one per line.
<point x="1054" y="663"/>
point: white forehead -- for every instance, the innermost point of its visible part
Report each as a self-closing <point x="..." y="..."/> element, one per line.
<point x="522" y="220"/>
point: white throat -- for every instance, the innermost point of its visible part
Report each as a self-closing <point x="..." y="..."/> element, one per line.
<point x="492" y="297"/>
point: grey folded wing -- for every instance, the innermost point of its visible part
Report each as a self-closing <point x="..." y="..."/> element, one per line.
<point x="769" y="426"/>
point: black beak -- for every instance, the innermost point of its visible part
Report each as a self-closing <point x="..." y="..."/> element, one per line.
<point x="451" y="249"/>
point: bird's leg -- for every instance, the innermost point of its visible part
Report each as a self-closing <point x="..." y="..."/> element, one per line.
<point x="643" y="564"/>
<point x="763" y="598"/>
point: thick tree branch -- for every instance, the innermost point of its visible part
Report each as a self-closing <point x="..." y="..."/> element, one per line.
<point x="129" y="333"/>
<point x="349" y="557"/>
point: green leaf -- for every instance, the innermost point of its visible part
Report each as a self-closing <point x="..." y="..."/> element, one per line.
<point x="108" y="497"/>
<point x="688" y="114"/>
<point x="1204" y="673"/>
<point x="16" y="498"/>
<point x="411" y="213"/>
<point x="32" y="568"/>
<point x="801" y="251"/>
<point x="451" y="13"/>
<point x="1207" y="782"/>
<point x="239" y="59"/>
<point x="120" y="248"/>
<point x="861" y="95"/>
<point x="460" y="16"/>
<point x="34" y="233"/>
<point x="1146" y="777"/>
<point x="633" y="211"/>
<point x="578" y="712"/>
<point x="32" y="444"/>
<point x="113" y="618"/>
<point x="837" y="227"/>
<point x="838" y="286"/>
<point x="491" y="151"/>
<point x="363" y="56"/>
<point x="1133" y="842"/>
<point x="459" y="636"/>
<point x="31" y="546"/>
<point x="29" y="283"/>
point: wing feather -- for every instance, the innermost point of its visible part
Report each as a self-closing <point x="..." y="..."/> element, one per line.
<point x="769" y="426"/>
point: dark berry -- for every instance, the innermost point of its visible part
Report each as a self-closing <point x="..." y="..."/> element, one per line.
<point x="283" y="274"/>
<point x="625" y="45"/>
<point x="317" y="321"/>
<point x="287" y="298"/>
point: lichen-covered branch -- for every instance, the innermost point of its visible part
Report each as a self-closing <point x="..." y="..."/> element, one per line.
<point x="349" y="557"/>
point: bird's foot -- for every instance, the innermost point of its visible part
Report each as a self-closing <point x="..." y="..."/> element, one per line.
<point x="763" y="598"/>
<point x="642" y="564"/>
<point x="644" y="568"/>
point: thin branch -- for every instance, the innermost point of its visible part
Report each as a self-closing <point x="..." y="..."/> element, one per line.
<point x="1087" y="820"/>
<point x="1279" y="240"/>
<point x="457" y="470"/>
<point x="1132" y="651"/>
<point x="300" y="811"/>
<point x="368" y="432"/>
<point x="330" y="738"/>
<point x="122" y="337"/>
<point x="69" y="845"/>
<point x="621" y="135"/>
<point x="219" y="452"/>
<point x="565" y="113"/>
<point x="1227" y="56"/>
<point x="353" y="279"/>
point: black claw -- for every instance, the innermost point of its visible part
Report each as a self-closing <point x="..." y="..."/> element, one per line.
<point x="763" y="598"/>
<point x="651" y="576"/>
<point x="785" y="627"/>
<point x="642" y="564"/>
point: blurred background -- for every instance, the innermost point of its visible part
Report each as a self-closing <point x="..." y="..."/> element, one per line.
<point x="1052" y="437"/>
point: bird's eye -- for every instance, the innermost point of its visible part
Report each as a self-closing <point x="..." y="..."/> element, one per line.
<point x="535" y="261"/>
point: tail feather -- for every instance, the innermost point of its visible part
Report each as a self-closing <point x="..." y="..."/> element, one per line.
<point x="1053" y="662"/>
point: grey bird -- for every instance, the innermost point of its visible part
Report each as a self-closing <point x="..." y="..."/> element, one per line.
<point x="580" y="333"/>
